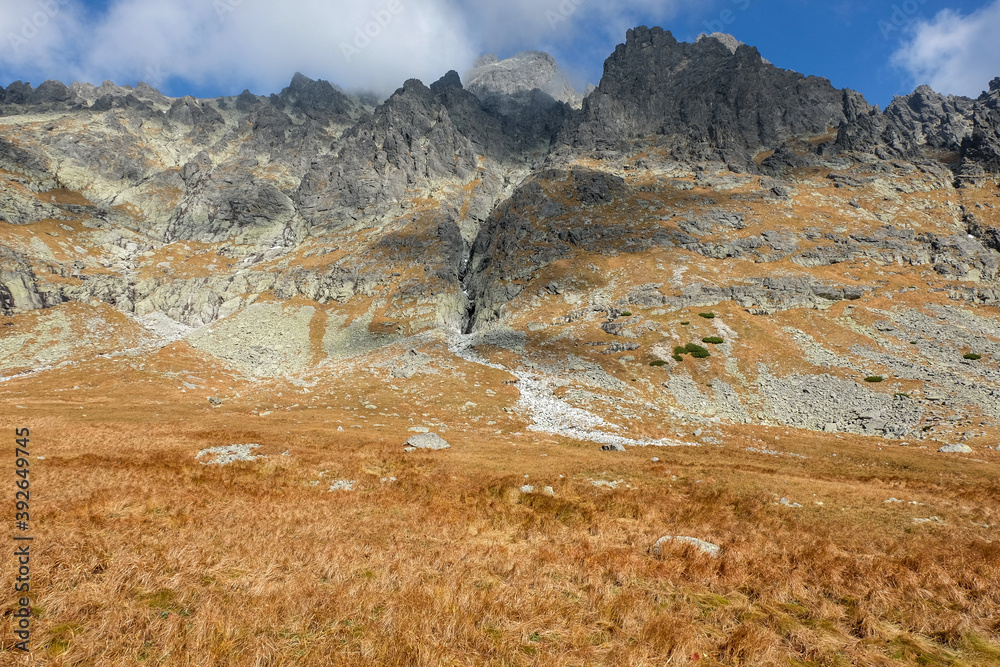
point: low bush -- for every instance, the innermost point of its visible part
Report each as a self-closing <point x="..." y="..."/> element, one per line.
<point x="973" y="356"/>
<point x="658" y="363"/>
<point x="713" y="340"/>
<point x="707" y="316"/>
<point x="696" y="351"/>
<point x="874" y="378"/>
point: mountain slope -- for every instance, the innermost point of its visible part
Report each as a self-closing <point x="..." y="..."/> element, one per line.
<point x="695" y="176"/>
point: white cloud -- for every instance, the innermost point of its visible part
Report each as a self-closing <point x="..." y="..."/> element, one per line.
<point x="231" y="44"/>
<point x="953" y="53"/>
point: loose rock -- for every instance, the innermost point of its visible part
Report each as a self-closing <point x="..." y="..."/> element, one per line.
<point x="707" y="548"/>
<point x="229" y="454"/>
<point x="427" y="441"/>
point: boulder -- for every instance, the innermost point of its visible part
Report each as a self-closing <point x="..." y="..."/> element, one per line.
<point x="426" y="441"/>
<point x="956" y="449"/>
<point x="707" y="548"/>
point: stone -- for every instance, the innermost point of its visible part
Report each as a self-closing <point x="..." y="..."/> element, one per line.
<point x="431" y="441"/>
<point x="613" y="447"/>
<point x="706" y="548"/>
<point x="229" y="454"/>
<point x="957" y="448"/>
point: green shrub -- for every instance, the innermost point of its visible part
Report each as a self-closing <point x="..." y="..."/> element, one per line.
<point x="874" y="378"/>
<point x="697" y="351"/>
<point x="713" y="340"/>
<point x="684" y="324"/>
<point x="973" y="356"/>
<point x="625" y="313"/>
<point x="707" y="316"/>
<point x="658" y="363"/>
<point x="913" y="342"/>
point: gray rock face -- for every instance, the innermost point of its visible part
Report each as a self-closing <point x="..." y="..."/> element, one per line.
<point x="522" y="73"/>
<point x="316" y="100"/>
<point x="926" y="123"/>
<point x="704" y="96"/>
<point x="956" y="449"/>
<point x="981" y="151"/>
<point x="412" y="140"/>
<point x="18" y="291"/>
<point x="932" y="119"/>
<point x="431" y="441"/>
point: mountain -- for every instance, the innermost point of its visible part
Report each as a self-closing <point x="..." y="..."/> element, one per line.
<point x="701" y="368"/>
<point x="694" y="176"/>
<point x="522" y="73"/>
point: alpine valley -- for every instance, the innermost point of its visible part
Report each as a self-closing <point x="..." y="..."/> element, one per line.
<point x="710" y="300"/>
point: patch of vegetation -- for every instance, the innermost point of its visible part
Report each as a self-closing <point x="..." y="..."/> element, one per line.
<point x="713" y="340"/>
<point x="707" y="316"/>
<point x="874" y="378"/>
<point x="913" y="342"/>
<point x="900" y="394"/>
<point x="659" y="363"/>
<point x="684" y="324"/>
<point x="62" y="635"/>
<point x="696" y="351"/>
<point x="625" y="313"/>
<point x="973" y="356"/>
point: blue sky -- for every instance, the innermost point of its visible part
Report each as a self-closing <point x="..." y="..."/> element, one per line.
<point x="220" y="47"/>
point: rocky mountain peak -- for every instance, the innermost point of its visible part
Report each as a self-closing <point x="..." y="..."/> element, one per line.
<point x="728" y="40"/>
<point x="521" y="73"/>
<point x="704" y="96"/>
<point x="316" y="99"/>
<point x="449" y="80"/>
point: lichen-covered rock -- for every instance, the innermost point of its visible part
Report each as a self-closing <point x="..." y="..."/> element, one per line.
<point x="431" y="441"/>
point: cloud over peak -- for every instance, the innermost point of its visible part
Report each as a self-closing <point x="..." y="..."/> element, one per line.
<point x="232" y="44"/>
<point x="954" y="53"/>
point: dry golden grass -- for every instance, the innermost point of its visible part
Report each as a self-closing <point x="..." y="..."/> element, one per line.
<point x="145" y="556"/>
